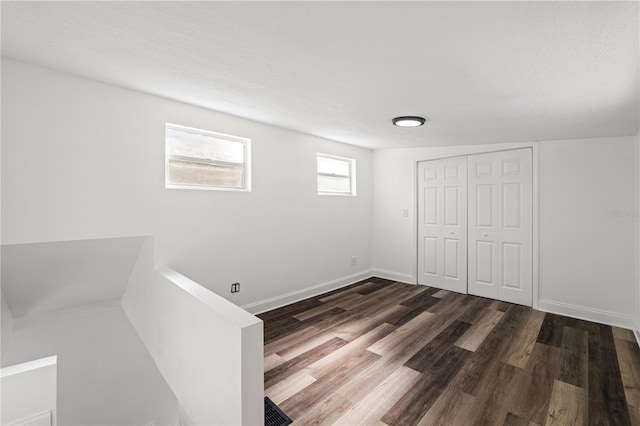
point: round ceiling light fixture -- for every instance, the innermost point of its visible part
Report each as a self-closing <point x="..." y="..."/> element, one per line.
<point x="408" y="121"/>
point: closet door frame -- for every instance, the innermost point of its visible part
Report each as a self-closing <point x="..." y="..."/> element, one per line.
<point x="484" y="149"/>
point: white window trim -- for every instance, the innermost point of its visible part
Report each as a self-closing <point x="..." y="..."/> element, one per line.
<point x="247" y="160"/>
<point x="351" y="176"/>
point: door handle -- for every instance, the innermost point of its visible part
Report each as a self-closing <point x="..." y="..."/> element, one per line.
<point x="485" y="235"/>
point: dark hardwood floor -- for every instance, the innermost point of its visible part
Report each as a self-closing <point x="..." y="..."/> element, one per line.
<point x="380" y="352"/>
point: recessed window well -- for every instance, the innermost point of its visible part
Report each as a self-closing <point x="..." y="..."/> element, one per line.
<point x="408" y="121"/>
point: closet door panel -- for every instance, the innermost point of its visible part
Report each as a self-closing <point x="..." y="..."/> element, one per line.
<point x="482" y="231"/>
<point x="501" y="226"/>
<point x="442" y="224"/>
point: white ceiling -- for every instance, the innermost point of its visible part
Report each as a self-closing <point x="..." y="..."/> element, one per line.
<point x="481" y="72"/>
<point x="46" y="277"/>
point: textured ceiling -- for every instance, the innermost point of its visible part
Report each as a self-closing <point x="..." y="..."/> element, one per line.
<point x="481" y="72"/>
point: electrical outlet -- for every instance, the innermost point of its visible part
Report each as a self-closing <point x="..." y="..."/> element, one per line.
<point x="235" y="288"/>
<point x="354" y="261"/>
<point x="405" y="212"/>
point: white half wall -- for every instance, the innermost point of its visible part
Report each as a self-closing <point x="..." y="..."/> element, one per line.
<point x="29" y="391"/>
<point x="84" y="160"/>
<point x="587" y="260"/>
<point x="209" y="350"/>
<point x="105" y="374"/>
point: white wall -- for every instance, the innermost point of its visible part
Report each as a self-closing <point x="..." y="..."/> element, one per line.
<point x="29" y="390"/>
<point x="587" y="260"/>
<point x="209" y="350"/>
<point x="7" y="325"/>
<point x="588" y="223"/>
<point x="82" y="160"/>
<point x="105" y="374"/>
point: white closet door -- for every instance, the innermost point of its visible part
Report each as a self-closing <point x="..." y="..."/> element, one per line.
<point x="442" y="223"/>
<point x="500" y="226"/>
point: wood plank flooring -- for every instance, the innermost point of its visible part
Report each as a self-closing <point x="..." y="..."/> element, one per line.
<point x="385" y="353"/>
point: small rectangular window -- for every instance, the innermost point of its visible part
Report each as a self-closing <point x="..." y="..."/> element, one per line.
<point x="200" y="159"/>
<point x="336" y="175"/>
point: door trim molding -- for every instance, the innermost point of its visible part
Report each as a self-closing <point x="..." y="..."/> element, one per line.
<point x="535" y="222"/>
<point x="459" y="151"/>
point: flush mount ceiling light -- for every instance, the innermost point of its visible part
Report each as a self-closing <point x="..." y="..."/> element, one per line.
<point x="408" y="121"/>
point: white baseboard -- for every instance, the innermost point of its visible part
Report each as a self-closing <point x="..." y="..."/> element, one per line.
<point x="305" y="293"/>
<point x="588" y="314"/>
<point x="394" y="276"/>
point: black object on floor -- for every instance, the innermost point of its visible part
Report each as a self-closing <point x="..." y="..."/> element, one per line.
<point x="273" y="415"/>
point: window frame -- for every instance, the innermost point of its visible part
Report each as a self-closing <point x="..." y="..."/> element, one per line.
<point x="351" y="176"/>
<point x="246" y="165"/>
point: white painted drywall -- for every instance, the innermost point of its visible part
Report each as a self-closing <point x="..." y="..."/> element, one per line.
<point x="105" y="374"/>
<point x="209" y="350"/>
<point x="44" y="277"/>
<point x="83" y="160"/>
<point x="588" y="225"/>
<point x="27" y="390"/>
<point x="587" y="260"/>
<point x="7" y="325"/>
